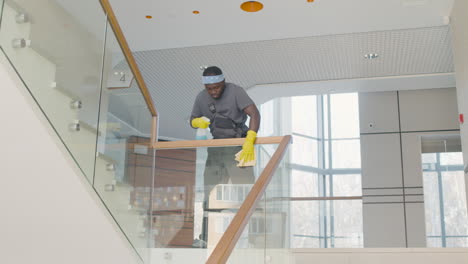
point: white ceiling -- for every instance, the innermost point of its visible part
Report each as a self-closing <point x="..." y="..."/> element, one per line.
<point x="288" y="42"/>
<point x="219" y="22"/>
<point x="173" y="76"/>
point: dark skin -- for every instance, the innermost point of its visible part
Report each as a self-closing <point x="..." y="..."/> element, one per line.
<point x="216" y="90"/>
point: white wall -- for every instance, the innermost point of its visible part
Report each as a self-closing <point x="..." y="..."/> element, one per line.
<point x="391" y="125"/>
<point x="49" y="213"/>
<point x="460" y="50"/>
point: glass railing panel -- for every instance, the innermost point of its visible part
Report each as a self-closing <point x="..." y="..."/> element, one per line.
<point x="197" y="193"/>
<point x="265" y="239"/>
<point x="278" y="215"/>
<point x="250" y="248"/>
<point x="1" y="9"/>
<point x="124" y="165"/>
<point x="58" y="53"/>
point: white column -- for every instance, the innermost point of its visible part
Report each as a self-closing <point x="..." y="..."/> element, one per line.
<point x="459" y="22"/>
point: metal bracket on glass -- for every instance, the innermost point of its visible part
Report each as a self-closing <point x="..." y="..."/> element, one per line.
<point x="22" y="18"/>
<point x="466" y="169"/>
<point x="19" y="43"/>
<point x="76" y="104"/>
<point x="75" y="126"/>
<point x="109" y="187"/>
<point x="110" y="167"/>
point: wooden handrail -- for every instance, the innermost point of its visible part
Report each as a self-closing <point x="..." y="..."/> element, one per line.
<point x="229" y="239"/>
<point x="214" y="142"/>
<point x="333" y="198"/>
<point x="128" y="55"/>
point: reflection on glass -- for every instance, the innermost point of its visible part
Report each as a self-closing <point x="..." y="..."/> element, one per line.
<point x="278" y="215"/>
<point x="124" y="166"/>
<point x="445" y="200"/>
<point x="196" y="195"/>
<point x="63" y="76"/>
<point x="266" y="237"/>
<point x="250" y="248"/>
<point x="80" y="79"/>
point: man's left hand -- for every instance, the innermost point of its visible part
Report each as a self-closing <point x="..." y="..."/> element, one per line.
<point x="248" y="152"/>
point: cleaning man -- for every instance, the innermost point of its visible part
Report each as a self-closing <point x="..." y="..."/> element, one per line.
<point x="226" y="106"/>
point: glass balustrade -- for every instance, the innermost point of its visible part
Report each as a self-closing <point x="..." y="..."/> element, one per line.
<point x="265" y="238"/>
<point x="63" y="75"/>
<point x="75" y="69"/>
<point x="197" y="193"/>
<point x="124" y="165"/>
<point x="58" y="53"/>
<point x="165" y="201"/>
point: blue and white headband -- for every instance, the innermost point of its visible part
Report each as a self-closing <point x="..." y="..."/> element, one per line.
<point x="212" y="79"/>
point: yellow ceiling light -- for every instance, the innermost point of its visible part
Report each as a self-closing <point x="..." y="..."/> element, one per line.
<point x="251" y="6"/>
<point x="196" y="12"/>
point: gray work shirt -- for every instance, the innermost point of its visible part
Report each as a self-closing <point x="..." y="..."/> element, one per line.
<point x="231" y="104"/>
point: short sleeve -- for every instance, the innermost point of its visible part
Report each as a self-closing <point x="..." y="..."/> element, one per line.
<point x="242" y="98"/>
<point x="196" y="111"/>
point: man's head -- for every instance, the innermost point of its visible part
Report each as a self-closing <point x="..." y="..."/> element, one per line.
<point x="213" y="79"/>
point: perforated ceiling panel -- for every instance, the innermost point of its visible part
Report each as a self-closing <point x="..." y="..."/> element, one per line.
<point x="174" y="75"/>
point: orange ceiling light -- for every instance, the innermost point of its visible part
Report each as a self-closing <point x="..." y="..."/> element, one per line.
<point x="251" y="6"/>
<point x="196" y="12"/>
<point x="149" y="17"/>
<point x="310" y="1"/>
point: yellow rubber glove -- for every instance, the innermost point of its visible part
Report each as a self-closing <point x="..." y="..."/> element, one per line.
<point x="200" y="122"/>
<point x="248" y="153"/>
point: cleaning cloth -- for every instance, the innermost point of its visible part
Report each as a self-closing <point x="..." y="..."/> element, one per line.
<point x="242" y="163"/>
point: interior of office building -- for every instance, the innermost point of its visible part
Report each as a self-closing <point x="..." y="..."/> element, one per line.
<point x="361" y="155"/>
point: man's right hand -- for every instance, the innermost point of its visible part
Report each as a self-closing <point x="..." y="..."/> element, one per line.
<point x="200" y="122"/>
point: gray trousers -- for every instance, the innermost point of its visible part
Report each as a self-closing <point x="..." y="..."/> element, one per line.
<point x="222" y="167"/>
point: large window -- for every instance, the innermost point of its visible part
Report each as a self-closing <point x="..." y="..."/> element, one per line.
<point x="445" y="200"/>
<point x="325" y="167"/>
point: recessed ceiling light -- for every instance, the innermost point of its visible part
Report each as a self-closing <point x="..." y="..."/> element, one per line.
<point x="149" y="17"/>
<point x="310" y="1"/>
<point x="203" y="67"/>
<point x="196" y="12"/>
<point x="251" y="6"/>
<point x="371" y="56"/>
